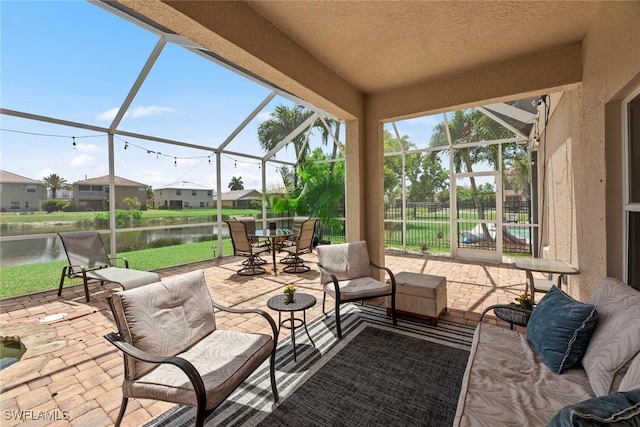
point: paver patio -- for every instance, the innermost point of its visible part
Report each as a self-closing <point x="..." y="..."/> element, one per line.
<point x="72" y="372"/>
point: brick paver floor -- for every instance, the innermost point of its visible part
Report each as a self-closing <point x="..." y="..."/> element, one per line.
<point x="77" y="374"/>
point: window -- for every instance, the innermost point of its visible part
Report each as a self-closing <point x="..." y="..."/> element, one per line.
<point x="178" y="192"/>
<point x="186" y="204"/>
<point x="31" y="188"/>
<point x="632" y="193"/>
<point x="15" y="206"/>
<point x="210" y="193"/>
<point x="194" y="193"/>
<point x="202" y="204"/>
<point x="26" y="205"/>
<point x="142" y="190"/>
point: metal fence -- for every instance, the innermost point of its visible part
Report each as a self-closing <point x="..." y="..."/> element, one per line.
<point x="428" y="226"/>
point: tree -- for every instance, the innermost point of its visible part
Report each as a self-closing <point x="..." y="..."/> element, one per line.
<point x="56" y="183"/>
<point x="427" y="177"/>
<point x="283" y="121"/>
<point x="236" y="183"/>
<point x="150" y="195"/>
<point x="467" y="126"/>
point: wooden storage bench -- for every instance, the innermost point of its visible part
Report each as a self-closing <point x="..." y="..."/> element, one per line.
<point x="420" y="295"/>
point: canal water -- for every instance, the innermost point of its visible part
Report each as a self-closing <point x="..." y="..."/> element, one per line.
<point x="21" y="252"/>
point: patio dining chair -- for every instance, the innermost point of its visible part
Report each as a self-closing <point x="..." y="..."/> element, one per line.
<point x="250" y="223"/>
<point x="346" y="276"/>
<point x="304" y="245"/>
<point x="173" y="351"/>
<point x="88" y="260"/>
<point x="242" y="247"/>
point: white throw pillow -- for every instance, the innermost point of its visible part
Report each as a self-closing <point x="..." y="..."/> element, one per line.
<point x="616" y="338"/>
<point x="631" y="379"/>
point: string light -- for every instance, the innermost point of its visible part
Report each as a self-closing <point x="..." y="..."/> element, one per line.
<point x="73" y="138"/>
<point x="126" y="145"/>
<point x="209" y="159"/>
<point x="175" y="161"/>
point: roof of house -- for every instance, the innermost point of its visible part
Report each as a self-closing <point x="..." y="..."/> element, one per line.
<point x="241" y="195"/>
<point x="104" y="180"/>
<point x="12" y="178"/>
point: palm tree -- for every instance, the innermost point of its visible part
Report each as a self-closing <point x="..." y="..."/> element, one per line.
<point x="468" y="126"/>
<point x="236" y="183"/>
<point x="283" y="121"/>
<point x="55" y="183"/>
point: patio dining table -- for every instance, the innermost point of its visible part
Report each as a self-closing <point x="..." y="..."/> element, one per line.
<point x="549" y="266"/>
<point x="274" y="235"/>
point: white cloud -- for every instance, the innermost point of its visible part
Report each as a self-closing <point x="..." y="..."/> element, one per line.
<point x="87" y="148"/>
<point x="137" y="112"/>
<point x="264" y="115"/>
<point x="108" y="115"/>
<point x="150" y="110"/>
<point x="82" y="160"/>
<point x="45" y="172"/>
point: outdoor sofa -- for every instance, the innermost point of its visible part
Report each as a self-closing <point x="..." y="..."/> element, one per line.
<point x="577" y="364"/>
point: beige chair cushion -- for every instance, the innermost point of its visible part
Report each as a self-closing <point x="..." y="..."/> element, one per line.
<point x="223" y="359"/>
<point x="616" y="337"/>
<point x="345" y="261"/>
<point x="164" y="318"/>
<point x="362" y="287"/>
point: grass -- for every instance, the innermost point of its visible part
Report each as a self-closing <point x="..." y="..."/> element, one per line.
<point x="26" y="279"/>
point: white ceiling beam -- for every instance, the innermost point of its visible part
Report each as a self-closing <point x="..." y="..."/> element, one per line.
<point x="513" y="112"/>
<point x="495" y="118"/>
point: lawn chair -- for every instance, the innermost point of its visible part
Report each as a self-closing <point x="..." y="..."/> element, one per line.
<point x="304" y="245"/>
<point x="346" y="276"/>
<point x="242" y="247"/>
<point x="88" y="259"/>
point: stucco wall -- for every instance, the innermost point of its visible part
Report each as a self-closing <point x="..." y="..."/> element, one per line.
<point x="611" y="52"/>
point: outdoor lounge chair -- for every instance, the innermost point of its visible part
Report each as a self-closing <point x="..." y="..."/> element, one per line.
<point x="88" y="259"/>
<point x="173" y="350"/>
<point x="242" y="247"/>
<point x="346" y="276"/>
<point x="304" y="245"/>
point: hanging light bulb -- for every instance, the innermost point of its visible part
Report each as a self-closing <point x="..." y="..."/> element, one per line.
<point x="209" y="159"/>
<point x="126" y="145"/>
<point x="235" y="165"/>
<point x="74" y="142"/>
<point x="158" y="154"/>
<point x="175" y="161"/>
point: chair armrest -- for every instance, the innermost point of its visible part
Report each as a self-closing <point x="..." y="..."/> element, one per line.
<point x="391" y="276"/>
<point x="262" y="313"/>
<point x="506" y="306"/>
<point x="114" y="261"/>
<point x="333" y="277"/>
<point x="183" y="364"/>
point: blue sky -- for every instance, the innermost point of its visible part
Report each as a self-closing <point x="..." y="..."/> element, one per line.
<point x="74" y="61"/>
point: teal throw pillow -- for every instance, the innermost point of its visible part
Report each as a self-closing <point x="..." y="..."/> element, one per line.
<point x="560" y="328"/>
<point x="620" y="409"/>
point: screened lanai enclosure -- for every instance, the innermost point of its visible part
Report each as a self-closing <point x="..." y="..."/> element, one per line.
<point x="193" y="138"/>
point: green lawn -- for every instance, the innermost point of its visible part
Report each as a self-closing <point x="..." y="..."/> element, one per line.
<point x="26" y="279"/>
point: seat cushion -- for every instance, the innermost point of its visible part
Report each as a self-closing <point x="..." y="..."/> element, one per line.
<point x="363" y="287"/>
<point x="164" y="318"/>
<point x="126" y="277"/>
<point x="560" y="328"/>
<point x="419" y="285"/>
<point x="507" y="384"/>
<point x="224" y="359"/>
<point x="616" y="338"/>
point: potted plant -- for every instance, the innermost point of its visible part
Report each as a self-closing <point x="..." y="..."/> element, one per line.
<point x="290" y="291"/>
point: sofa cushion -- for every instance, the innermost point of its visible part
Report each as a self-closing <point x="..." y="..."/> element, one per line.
<point x="631" y="379"/>
<point x="345" y="260"/>
<point x="506" y="383"/>
<point x="560" y="328"/>
<point x="616" y="338"/>
<point x="616" y="409"/>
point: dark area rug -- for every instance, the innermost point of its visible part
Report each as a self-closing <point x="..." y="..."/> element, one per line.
<point x="380" y="378"/>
